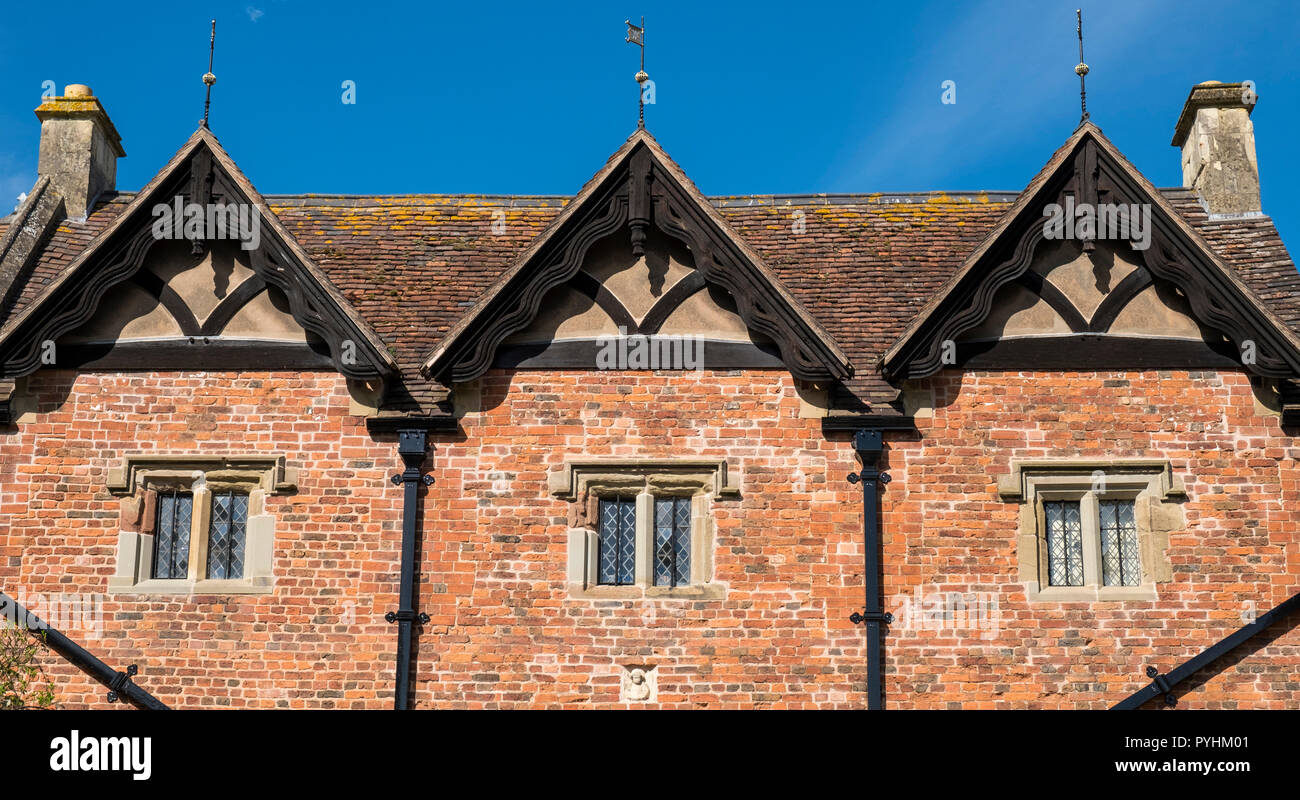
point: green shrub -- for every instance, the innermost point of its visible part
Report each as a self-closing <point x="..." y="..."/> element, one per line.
<point x="20" y="670"/>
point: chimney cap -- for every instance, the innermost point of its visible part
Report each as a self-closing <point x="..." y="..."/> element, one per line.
<point x="1213" y="94"/>
<point x="73" y="105"/>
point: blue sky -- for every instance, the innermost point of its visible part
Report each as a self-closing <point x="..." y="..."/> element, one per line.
<point x="753" y="97"/>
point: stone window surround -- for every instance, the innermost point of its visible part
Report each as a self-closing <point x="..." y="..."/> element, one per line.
<point x="586" y="482"/>
<point x="141" y="476"/>
<point x="1151" y="484"/>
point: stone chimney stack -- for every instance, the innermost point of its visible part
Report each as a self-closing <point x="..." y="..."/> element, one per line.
<point x="79" y="148"/>
<point x="1218" y="144"/>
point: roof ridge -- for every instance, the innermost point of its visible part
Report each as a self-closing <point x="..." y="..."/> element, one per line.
<point x="1001" y="195"/>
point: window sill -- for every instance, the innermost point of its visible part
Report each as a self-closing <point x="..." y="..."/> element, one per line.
<point x="1144" y="593"/>
<point x="246" y="586"/>
<point x="708" y="591"/>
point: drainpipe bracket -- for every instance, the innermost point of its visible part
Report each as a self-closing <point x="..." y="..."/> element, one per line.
<point x="871" y="616"/>
<point x="119" y="683"/>
<point x="865" y="475"/>
<point x="406" y="616"/>
<point x="1161" y="685"/>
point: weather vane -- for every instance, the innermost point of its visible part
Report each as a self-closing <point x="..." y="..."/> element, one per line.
<point x="636" y="35"/>
<point x="208" y="77"/>
<point x="1082" y="69"/>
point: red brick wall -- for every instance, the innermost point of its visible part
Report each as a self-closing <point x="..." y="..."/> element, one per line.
<point x="337" y="537"/>
<point x="946" y="528"/>
<point x="790" y="549"/>
<point x="504" y="631"/>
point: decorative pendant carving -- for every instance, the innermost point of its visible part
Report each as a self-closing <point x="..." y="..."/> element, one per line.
<point x="639" y="204"/>
<point x="200" y="193"/>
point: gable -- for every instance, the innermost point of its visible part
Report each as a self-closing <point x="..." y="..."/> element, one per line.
<point x="1101" y="309"/>
<point x="181" y="309"/>
<point x="224" y="287"/>
<point x="1033" y="296"/>
<point x="630" y="218"/>
<point x="659" y="298"/>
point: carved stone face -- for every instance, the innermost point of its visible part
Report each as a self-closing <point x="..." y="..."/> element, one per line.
<point x="637" y="684"/>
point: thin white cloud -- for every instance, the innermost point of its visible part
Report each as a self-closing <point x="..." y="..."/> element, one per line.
<point x="14" y="180"/>
<point x="1027" y="62"/>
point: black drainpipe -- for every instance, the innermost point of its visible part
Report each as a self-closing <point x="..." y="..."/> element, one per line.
<point x="869" y="445"/>
<point x="119" y="684"/>
<point x="412" y="446"/>
<point x="868" y="441"/>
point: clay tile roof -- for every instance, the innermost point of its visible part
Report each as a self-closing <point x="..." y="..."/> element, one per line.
<point x="67" y="242"/>
<point x="864" y="265"/>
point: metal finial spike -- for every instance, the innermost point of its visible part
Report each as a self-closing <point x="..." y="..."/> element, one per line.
<point x="641" y="78"/>
<point x="208" y="77"/>
<point x="1081" y="69"/>
<point x="636" y="35"/>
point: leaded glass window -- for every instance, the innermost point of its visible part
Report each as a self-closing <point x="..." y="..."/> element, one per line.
<point x="672" y="549"/>
<point x="226" y="535"/>
<point x="617" y="534"/>
<point x="1064" y="543"/>
<point x="171" y="554"/>
<point x="1120" y="563"/>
